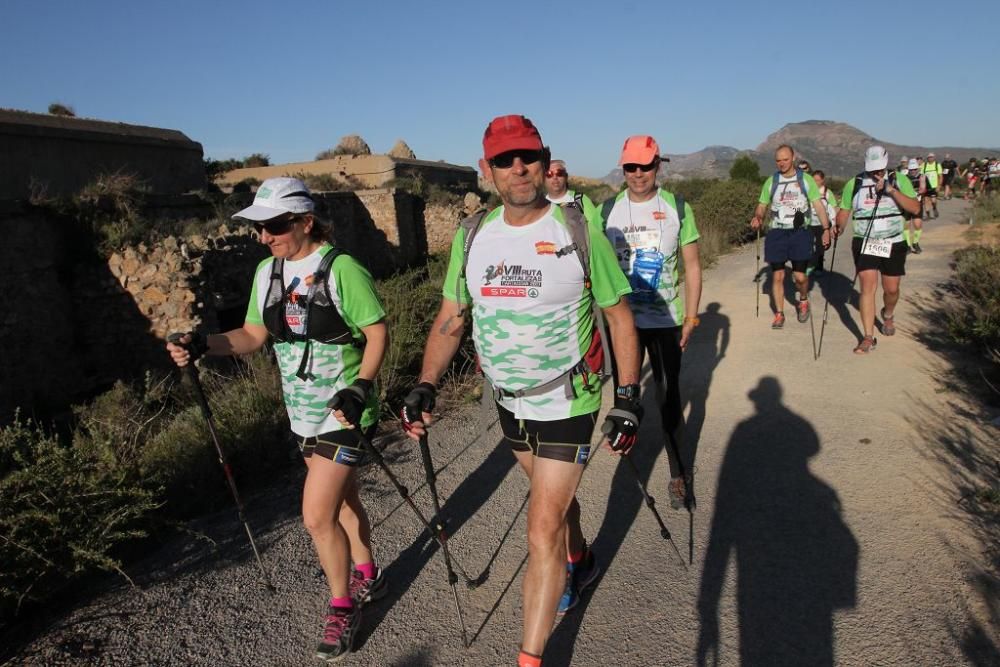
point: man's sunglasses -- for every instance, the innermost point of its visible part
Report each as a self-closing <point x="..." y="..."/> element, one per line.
<point x="552" y="173"/>
<point x="276" y="227"/>
<point x="506" y="160"/>
<point x="632" y="167"/>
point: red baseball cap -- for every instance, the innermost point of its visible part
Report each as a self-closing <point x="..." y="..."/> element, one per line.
<point x="510" y="133"/>
<point x="639" y="149"/>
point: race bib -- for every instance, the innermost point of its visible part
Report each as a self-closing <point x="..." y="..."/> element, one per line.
<point x="877" y="248"/>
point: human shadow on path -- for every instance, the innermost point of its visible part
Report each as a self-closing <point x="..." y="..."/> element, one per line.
<point x="836" y="289"/>
<point x="474" y="491"/>
<point x="796" y="559"/>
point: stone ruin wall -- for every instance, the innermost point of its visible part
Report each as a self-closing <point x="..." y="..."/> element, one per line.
<point x="70" y="328"/>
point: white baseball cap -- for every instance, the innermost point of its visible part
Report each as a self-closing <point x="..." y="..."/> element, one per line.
<point x="912" y="164"/>
<point x="876" y="157"/>
<point x="276" y="197"/>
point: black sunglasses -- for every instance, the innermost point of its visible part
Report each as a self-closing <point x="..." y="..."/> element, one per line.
<point x="506" y="160"/>
<point x="276" y="227"/>
<point x="632" y="167"/>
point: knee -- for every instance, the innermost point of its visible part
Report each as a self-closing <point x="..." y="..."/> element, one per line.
<point x="318" y="521"/>
<point x="545" y="533"/>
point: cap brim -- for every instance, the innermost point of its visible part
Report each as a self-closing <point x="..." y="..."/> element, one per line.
<point x="514" y="144"/>
<point x="259" y="213"/>
<point x="637" y="157"/>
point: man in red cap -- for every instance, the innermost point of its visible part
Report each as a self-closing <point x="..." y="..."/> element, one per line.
<point x="530" y="294"/>
<point x="650" y="230"/>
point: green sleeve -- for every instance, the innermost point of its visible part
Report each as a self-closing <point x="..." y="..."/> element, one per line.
<point x="765" y="191"/>
<point x="607" y="282"/>
<point x="847" y="199"/>
<point x="906" y="187"/>
<point x="812" y="190"/>
<point x="832" y="198"/>
<point x="593" y="215"/>
<point x="455" y="270"/>
<point x="360" y="305"/>
<point x="254" y="316"/>
<point x="689" y="231"/>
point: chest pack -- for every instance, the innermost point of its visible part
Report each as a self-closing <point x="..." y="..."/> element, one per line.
<point x="596" y="360"/>
<point x="323" y="322"/>
<point x="800" y="179"/>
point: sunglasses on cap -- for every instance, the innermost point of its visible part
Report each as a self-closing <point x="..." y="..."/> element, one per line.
<point x="552" y="173"/>
<point x="276" y="227"/>
<point x="506" y="160"/>
<point x="632" y="167"/>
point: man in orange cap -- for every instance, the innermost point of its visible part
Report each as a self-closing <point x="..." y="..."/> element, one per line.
<point x="651" y="230"/>
<point x="531" y="297"/>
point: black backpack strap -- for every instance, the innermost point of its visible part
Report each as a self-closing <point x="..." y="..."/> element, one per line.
<point x="606" y="208"/>
<point x="680" y="204"/>
<point x="470" y="225"/>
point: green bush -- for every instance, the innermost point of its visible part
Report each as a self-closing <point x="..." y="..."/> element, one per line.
<point x="746" y="168"/>
<point x="691" y="189"/>
<point x="65" y="514"/>
<point x="722" y="212"/>
<point x="987" y="209"/>
<point x="975" y="319"/>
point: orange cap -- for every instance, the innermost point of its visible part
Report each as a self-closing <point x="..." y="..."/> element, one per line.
<point x="639" y="149"/>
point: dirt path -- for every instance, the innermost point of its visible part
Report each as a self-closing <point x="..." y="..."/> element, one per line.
<point x="827" y="528"/>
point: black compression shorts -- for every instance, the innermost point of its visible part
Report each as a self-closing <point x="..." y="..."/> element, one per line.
<point x="562" y="440"/>
<point x="338" y="446"/>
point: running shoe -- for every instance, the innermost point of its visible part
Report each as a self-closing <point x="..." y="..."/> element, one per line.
<point x="936" y="216"/>
<point x="779" y="321"/>
<point x="578" y="577"/>
<point x="916" y="249"/>
<point x="802" y="311"/>
<point x="364" y="590"/>
<point x="339" y="630"/>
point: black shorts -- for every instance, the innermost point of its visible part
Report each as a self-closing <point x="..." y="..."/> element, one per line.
<point x="947" y="179"/>
<point x="930" y="192"/>
<point x="893" y="265"/>
<point x="562" y="440"/>
<point x="338" y="446"/>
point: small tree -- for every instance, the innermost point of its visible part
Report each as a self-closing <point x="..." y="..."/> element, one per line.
<point x="257" y="160"/>
<point x="60" y="109"/>
<point x="746" y="169"/>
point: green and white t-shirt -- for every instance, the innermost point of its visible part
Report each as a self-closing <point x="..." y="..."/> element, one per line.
<point x="789" y="199"/>
<point x="888" y="221"/>
<point x="531" y="313"/>
<point x="829" y="203"/>
<point x="334" y="366"/>
<point x="933" y="171"/>
<point x="647" y="237"/>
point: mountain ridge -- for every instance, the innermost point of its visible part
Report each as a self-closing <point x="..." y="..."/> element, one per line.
<point x="835" y="147"/>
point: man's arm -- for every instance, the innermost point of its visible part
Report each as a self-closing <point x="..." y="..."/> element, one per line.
<point x="624" y="340"/>
<point x="442" y="342"/>
<point x="692" y="290"/>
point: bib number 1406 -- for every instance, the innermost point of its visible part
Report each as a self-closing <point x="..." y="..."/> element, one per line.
<point x="877" y="248"/>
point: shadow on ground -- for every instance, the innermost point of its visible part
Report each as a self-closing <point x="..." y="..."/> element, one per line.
<point x="796" y="559"/>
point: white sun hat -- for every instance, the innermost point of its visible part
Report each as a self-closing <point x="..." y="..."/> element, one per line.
<point x="276" y="197"/>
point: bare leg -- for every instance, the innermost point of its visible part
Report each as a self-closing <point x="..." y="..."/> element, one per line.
<point x="778" y="289"/>
<point x="890" y="293"/>
<point x="802" y="283"/>
<point x="354" y="520"/>
<point x="326" y="484"/>
<point x="869" y="282"/>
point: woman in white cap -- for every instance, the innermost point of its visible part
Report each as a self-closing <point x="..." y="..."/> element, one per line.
<point x="876" y="202"/>
<point x="320" y="308"/>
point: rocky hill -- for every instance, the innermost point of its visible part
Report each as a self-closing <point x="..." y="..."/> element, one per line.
<point x="836" y="148"/>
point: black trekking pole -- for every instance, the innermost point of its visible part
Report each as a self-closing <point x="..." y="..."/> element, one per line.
<point x="206" y="411"/>
<point x="651" y="504"/>
<point x="826" y="306"/>
<point x="756" y="275"/>
<point x="370" y="449"/>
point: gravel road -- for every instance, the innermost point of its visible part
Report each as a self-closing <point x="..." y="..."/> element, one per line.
<point x="828" y="528"/>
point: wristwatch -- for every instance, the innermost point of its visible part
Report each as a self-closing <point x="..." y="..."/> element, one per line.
<point x="693" y="320"/>
<point x="629" y="392"/>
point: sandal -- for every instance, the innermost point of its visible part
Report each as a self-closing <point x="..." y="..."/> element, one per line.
<point x="888" y="324"/>
<point x="866" y="345"/>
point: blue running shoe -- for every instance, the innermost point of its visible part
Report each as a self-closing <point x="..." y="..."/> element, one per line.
<point x="578" y="577"/>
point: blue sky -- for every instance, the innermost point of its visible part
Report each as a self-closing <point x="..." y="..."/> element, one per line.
<point x="289" y="79"/>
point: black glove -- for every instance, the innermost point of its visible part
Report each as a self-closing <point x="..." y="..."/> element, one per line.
<point x="351" y="400"/>
<point x="621" y="426"/>
<point x="419" y="400"/>
<point x="197" y="347"/>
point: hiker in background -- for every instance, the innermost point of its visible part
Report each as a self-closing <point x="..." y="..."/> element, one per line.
<point x="903" y="167"/>
<point x="876" y="205"/>
<point x="653" y="231"/>
<point x="789" y="195"/>
<point x="829" y="200"/>
<point x="531" y="296"/>
<point x="971" y="178"/>
<point x="933" y="171"/>
<point x="949" y="170"/>
<point x="558" y="191"/>
<point x="914" y="223"/>
<point x="337" y="351"/>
